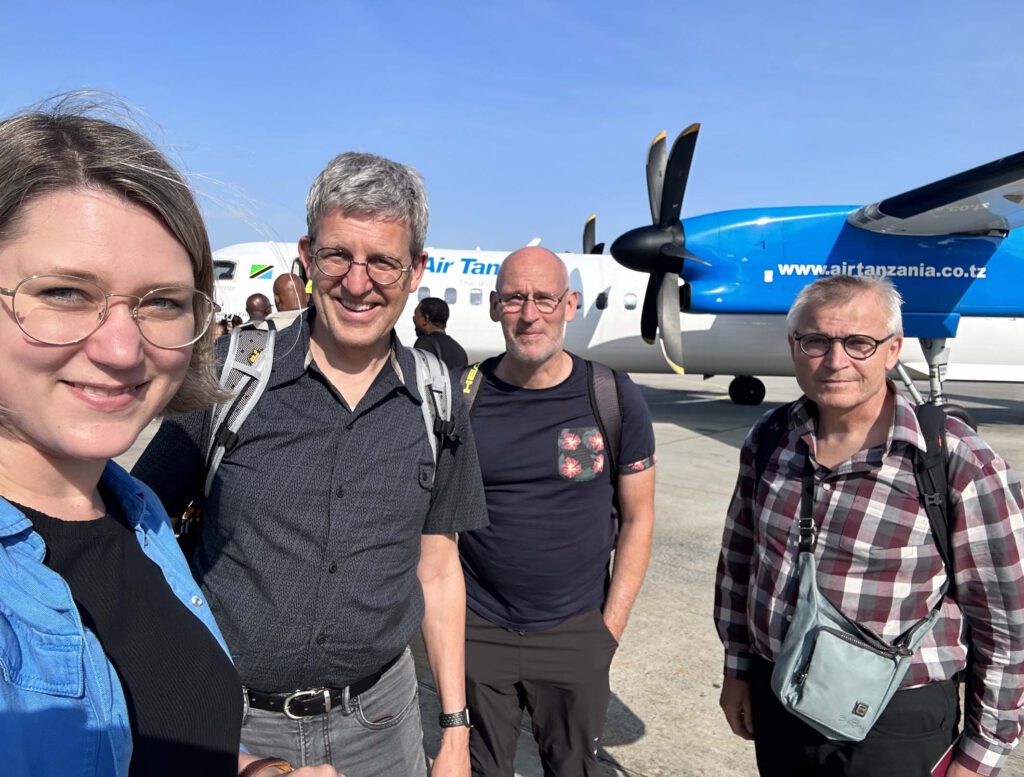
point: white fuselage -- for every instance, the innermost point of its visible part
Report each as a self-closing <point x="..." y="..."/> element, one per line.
<point x="607" y="326"/>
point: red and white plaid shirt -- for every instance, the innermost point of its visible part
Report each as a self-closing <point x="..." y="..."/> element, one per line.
<point x="878" y="563"/>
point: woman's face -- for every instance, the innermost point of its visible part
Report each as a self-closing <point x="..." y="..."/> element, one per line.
<point x="89" y="400"/>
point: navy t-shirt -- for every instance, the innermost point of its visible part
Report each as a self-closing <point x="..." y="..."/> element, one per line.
<point x="544" y="556"/>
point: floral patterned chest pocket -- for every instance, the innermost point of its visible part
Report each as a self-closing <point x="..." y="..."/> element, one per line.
<point x="580" y="453"/>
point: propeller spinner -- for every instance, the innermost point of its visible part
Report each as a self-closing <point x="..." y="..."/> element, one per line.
<point x="660" y="249"/>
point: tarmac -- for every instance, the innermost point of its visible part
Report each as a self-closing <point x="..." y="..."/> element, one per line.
<point x="663" y="718"/>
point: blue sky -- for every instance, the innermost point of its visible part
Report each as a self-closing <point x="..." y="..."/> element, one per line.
<point x="525" y="118"/>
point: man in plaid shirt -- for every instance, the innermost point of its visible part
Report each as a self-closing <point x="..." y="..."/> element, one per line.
<point x="876" y="555"/>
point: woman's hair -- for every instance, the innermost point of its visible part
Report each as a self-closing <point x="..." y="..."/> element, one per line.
<point x="63" y="145"/>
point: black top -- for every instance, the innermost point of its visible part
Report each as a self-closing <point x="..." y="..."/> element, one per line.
<point x="183" y="694"/>
<point x="444" y="347"/>
<point x="312" y="530"/>
<point x="544" y="557"/>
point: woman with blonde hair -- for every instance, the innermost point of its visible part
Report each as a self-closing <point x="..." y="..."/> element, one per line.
<point x="110" y="661"/>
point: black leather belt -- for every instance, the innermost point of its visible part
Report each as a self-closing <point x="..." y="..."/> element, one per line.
<point x="314" y="701"/>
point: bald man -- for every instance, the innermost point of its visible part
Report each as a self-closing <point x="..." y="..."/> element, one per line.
<point x="257" y="307"/>
<point x="545" y="611"/>
<point x="290" y="299"/>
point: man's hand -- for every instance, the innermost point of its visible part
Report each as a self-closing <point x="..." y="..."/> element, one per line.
<point x="453" y="757"/>
<point x="324" y="770"/>
<point x="735" y="703"/>
<point x="615" y="626"/>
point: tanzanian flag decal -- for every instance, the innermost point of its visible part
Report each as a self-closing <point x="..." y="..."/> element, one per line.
<point x="261" y="272"/>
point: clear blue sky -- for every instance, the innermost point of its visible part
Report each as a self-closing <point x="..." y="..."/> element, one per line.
<point x="524" y="118"/>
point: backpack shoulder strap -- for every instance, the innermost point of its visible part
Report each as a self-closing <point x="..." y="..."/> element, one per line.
<point x="769" y="435"/>
<point x="435" y="387"/>
<point x="606" y="402"/>
<point x="932" y="478"/>
<point x="245" y="375"/>
<point x="473" y="379"/>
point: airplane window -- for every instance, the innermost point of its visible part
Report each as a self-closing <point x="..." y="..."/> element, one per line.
<point x="630" y="301"/>
<point x="422" y="293"/>
<point x="451" y="296"/>
<point x="223" y="271"/>
<point x="601" y="301"/>
<point x="476" y="297"/>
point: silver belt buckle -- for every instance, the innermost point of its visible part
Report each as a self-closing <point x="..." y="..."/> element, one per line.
<point x="306" y="694"/>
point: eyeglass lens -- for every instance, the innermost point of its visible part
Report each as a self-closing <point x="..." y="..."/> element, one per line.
<point x="62" y="309"/>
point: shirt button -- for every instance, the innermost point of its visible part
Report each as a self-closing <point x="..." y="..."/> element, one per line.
<point x="827" y="486"/>
<point x="321" y="639"/>
<point x="197" y="601"/>
<point x="333" y="567"/>
<point x="340" y="492"/>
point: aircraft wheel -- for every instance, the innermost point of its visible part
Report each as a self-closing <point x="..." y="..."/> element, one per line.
<point x="746" y="390"/>
<point x="959" y="411"/>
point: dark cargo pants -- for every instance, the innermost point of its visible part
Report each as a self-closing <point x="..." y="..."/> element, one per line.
<point x="560" y="675"/>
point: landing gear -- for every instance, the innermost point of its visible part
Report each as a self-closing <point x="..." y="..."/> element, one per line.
<point x="746" y="390"/>
<point x="936" y="354"/>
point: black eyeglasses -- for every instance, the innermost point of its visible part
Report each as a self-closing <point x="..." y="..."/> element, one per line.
<point x="66" y="309"/>
<point x="337" y="262"/>
<point x="856" y="346"/>
<point x="546" y="303"/>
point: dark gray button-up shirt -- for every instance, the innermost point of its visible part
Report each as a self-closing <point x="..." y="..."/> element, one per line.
<point x="311" y="533"/>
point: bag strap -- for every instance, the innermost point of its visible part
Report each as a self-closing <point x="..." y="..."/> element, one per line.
<point x="606" y="403"/>
<point x="245" y="375"/>
<point x="435" y="387"/>
<point x="930" y="469"/>
<point x="474" y="378"/>
<point x="769" y="435"/>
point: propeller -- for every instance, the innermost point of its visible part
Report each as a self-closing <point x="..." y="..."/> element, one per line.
<point x="660" y="249"/>
<point x="589" y="232"/>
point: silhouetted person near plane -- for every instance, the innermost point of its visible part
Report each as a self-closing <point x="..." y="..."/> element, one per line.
<point x="290" y="299"/>
<point x="430" y="319"/>
<point x="257" y="307"/>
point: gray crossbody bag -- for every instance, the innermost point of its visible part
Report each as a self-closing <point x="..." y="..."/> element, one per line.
<point x="832" y="673"/>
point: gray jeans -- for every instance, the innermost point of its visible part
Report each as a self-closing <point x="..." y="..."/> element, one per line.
<point x="378" y="735"/>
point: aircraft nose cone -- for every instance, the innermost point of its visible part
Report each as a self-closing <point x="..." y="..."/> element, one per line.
<point x="640" y="249"/>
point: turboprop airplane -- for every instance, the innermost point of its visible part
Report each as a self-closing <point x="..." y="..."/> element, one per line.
<point x="951" y="248"/>
<point x="712" y="291"/>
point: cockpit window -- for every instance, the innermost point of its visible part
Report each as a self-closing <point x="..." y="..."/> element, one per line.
<point x="223" y="270"/>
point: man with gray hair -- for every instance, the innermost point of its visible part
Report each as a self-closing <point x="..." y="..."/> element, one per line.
<point x="319" y="596"/>
<point x="842" y="459"/>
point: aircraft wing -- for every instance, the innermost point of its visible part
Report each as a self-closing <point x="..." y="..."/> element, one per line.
<point x="988" y="200"/>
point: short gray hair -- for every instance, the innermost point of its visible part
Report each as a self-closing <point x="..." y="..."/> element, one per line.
<point x="840" y="289"/>
<point x="370" y="186"/>
<point x="65" y="144"/>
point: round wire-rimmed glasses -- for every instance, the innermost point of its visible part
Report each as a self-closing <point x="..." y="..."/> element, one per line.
<point x="383" y="270"/>
<point x="66" y="309"/>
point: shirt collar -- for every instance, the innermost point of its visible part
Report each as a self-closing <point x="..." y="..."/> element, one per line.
<point x="292" y="356"/>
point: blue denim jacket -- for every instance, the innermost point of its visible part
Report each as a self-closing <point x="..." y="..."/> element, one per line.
<point x="62" y="710"/>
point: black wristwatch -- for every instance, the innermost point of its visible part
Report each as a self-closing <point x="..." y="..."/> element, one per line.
<point x="454" y="719"/>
